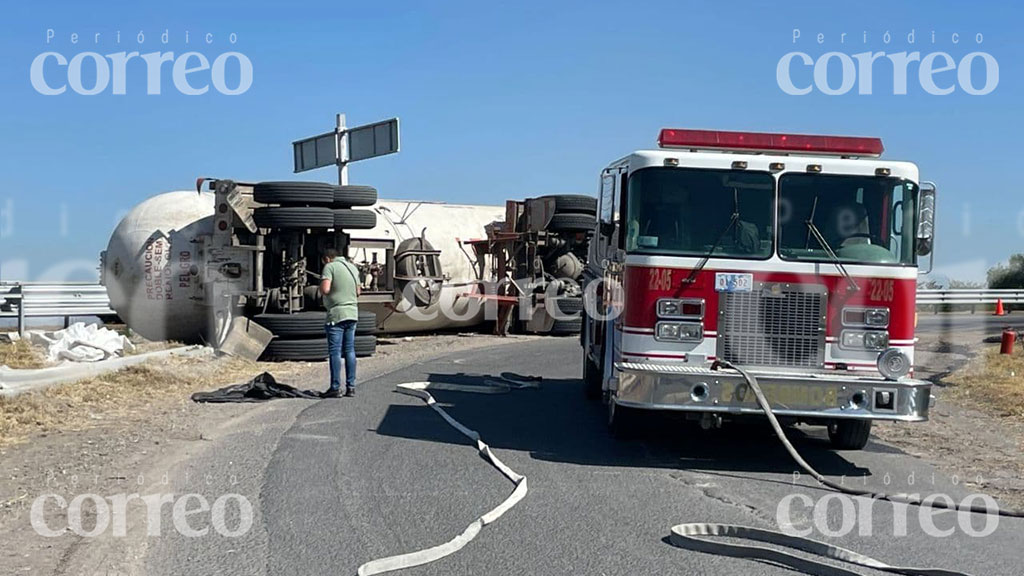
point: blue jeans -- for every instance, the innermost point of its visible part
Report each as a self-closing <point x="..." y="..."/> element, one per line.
<point x="341" y="341"/>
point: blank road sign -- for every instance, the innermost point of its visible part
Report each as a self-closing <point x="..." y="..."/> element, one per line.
<point x="316" y="152"/>
<point x="372" y="140"/>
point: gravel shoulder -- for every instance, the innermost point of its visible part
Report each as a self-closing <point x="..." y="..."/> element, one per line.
<point x="965" y="438"/>
<point x="145" y="448"/>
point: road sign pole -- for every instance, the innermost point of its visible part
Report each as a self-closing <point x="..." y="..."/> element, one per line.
<point x="342" y="151"/>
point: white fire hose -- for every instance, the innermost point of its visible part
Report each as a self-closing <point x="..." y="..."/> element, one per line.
<point x="688" y="535"/>
<point x="425" y="556"/>
<point x="691" y="536"/>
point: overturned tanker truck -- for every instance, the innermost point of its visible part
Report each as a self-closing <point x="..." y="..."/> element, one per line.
<point x="236" y="266"/>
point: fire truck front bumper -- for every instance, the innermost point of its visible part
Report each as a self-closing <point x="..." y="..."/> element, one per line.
<point x="811" y="396"/>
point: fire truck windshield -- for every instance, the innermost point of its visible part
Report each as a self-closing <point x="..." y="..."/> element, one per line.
<point x="689" y="212"/>
<point x="863" y="219"/>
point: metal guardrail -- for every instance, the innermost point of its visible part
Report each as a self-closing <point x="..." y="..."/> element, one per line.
<point x="969" y="296"/>
<point x="23" y="300"/>
<point x="27" y="300"/>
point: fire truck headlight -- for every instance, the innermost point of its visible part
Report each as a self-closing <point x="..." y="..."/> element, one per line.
<point x="893" y="364"/>
<point x="684" y="308"/>
<point x="866" y="317"/>
<point x="679" y="331"/>
<point x="865" y="340"/>
<point x="877" y="317"/>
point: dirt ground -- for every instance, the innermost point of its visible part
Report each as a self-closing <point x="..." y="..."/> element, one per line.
<point x="99" y="436"/>
<point x="970" y="433"/>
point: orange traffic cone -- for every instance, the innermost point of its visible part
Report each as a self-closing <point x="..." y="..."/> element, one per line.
<point x="999" y="308"/>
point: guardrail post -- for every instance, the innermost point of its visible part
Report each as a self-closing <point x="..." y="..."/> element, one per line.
<point x="21" y="313"/>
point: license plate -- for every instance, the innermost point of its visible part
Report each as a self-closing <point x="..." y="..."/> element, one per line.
<point x="733" y="282"/>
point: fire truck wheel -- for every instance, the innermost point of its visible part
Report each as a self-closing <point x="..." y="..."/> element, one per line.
<point x="305" y="193"/>
<point x="566" y="327"/>
<point x="622" y="421"/>
<point x="574" y="203"/>
<point x="306" y="349"/>
<point x="366" y="346"/>
<point x="591" y="379"/>
<point x="849" y="434"/>
<point x="571" y="222"/>
<point x="293" y="217"/>
<point x="354" y="195"/>
<point x="367" y="323"/>
<point x="298" y="325"/>
<point x="345" y="219"/>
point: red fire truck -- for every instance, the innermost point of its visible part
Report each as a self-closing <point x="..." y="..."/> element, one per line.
<point x="792" y="256"/>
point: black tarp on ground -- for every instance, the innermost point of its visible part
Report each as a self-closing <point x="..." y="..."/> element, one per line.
<point x="260" y="389"/>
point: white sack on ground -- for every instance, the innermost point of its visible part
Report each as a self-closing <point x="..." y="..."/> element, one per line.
<point x="81" y="343"/>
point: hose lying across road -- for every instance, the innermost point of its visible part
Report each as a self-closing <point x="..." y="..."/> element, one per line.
<point x="692" y="536"/>
<point x="687" y="535"/>
<point x="421" y="391"/>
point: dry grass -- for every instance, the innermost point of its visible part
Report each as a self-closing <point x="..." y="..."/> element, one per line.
<point x="121" y="397"/>
<point x="21" y="354"/>
<point x="994" y="381"/>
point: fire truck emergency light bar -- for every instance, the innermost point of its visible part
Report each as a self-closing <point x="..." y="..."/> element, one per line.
<point x="765" y="142"/>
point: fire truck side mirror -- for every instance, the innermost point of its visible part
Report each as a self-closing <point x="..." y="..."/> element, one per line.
<point x="926" y="219"/>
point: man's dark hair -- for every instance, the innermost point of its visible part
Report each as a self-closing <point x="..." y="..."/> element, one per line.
<point x="331" y="253"/>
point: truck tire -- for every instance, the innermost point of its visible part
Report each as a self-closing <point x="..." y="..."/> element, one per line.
<point x="572" y="222"/>
<point x="306" y="349"/>
<point x="574" y="203"/>
<point x="366" y="346"/>
<point x="367" y="323"/>
<point x="354" y="195"/>
<point x="298" y="325"/>
<point x="302" y="193"/>
<point x="591" y="379"/>
<point x="622" y="421"/>
<point x="345" y="219"/>
<point x="566" y="327"/>
<point x="293" y="217"/>
<point x="849" y="434"/>
<point x="566" y="306"/>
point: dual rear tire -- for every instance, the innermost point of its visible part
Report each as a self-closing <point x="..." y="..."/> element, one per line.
<point x="300" y="336"/>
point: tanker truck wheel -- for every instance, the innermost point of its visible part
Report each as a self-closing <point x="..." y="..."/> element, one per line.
<point x="849" y="434"/>
<point x="298" y="325"/>
<point x="566" y="327"/>
<point x="366" y="324"/>
<point x="345" y="219"/>
<point x="570" y="222"/>
<point x="354" y="195"/>
<point x="366" y="345"/>
<point x="306" y="349"/>
<point x="574" y="203"/>
<point x="310" y="193"/>
<point x="293" y="217"/>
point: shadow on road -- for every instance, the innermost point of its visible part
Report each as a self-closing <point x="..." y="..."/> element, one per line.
<point x="556" y="423"/>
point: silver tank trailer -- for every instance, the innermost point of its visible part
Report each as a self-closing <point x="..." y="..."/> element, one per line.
<point x="154" y="266"/>
<point x="151" y="267"/>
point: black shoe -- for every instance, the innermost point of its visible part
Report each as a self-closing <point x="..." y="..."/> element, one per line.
<point x="350" y="392"/>
<point x="331" y="394"/>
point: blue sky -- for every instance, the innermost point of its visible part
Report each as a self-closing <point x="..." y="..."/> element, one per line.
<point x="497" y="100"/>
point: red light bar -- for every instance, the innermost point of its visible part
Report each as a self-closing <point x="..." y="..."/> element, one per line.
<point x="760" y="141"/>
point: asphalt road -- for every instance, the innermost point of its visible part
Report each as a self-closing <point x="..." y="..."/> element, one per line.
<point x="351" y="480"/>
<point x="950" y="324"/>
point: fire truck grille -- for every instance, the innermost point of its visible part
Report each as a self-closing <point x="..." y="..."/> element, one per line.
<point x="773" y="326"/>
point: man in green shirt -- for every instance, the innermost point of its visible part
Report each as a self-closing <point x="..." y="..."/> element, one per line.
<point x="339" y="285"/>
